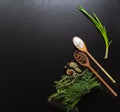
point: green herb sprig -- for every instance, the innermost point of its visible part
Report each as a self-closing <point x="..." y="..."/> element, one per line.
<point x="97" y="23"/>
<point x="71" y="89"/>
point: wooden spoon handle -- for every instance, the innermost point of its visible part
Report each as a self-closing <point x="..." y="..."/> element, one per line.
<point x="108" y="75"/>
<point x="101" y="79"/>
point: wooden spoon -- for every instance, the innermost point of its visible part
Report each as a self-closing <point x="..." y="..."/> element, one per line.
<point x="82" y="59"/>
<point x="79" y="43"/>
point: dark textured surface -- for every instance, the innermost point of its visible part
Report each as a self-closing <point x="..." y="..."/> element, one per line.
<point x="35" y="43"/>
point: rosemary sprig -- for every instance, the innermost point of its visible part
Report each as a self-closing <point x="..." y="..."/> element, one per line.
<point x="97" y="23"/>
<point x="71" y="89"/>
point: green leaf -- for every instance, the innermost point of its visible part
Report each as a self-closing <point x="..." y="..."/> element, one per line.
<point x="97" y="23"/>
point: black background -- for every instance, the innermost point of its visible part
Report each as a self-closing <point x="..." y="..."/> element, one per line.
<point x="36" y="42"/>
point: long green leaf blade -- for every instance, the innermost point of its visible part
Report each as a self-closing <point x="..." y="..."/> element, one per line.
<point x="97" y="23"/>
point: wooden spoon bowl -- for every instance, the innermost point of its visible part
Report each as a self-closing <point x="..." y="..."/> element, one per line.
<point x="81" y="58"/>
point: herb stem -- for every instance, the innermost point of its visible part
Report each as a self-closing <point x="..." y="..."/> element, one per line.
<point x="97" y="23"/>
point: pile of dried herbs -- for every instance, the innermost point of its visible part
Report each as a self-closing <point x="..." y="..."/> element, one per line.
<point x="73" y="86"/>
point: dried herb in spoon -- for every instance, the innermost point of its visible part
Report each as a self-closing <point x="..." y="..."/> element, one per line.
<point x="97" y="23"/>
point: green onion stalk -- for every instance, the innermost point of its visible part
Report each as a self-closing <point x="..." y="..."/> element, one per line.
<point x="97" y="23"/>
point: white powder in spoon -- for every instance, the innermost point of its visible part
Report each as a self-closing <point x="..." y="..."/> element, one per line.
<point x="78" y="42"/>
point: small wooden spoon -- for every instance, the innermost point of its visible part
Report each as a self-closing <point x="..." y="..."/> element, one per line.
<point x="79" y="43"/>
<point x="82" y="59"/>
